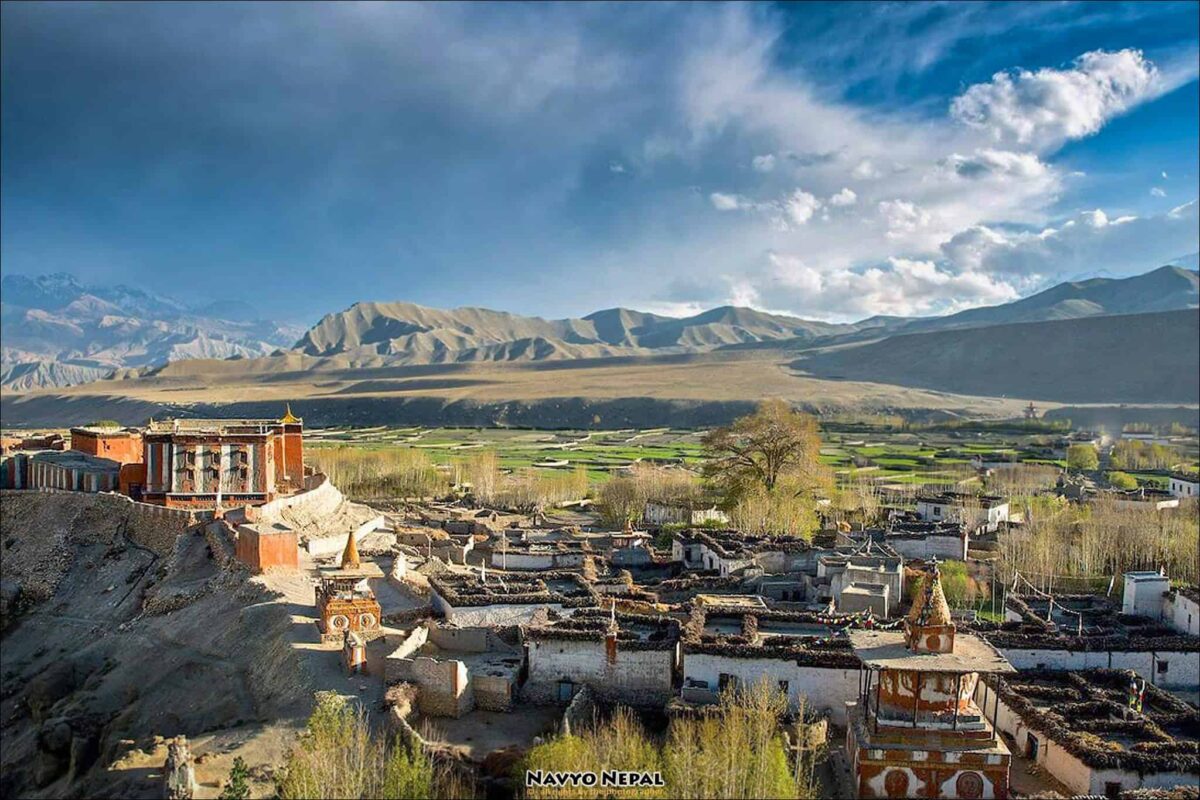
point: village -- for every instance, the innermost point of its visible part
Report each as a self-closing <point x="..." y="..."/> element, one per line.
<point x="474" y="633"/>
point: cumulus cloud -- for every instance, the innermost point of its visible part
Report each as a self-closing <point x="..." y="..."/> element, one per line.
<point x="845" y="197"/>
<point x="1157" y="192"/>
<point x="801" y="206"/>
<point x="900" y="286"/>
<point x="1049" y="106"/>
<point x="764" y="163"/>
<point x="903" y="217"/>
<point x="1092" y="242"/>
<point x="785" y="214"/>
<point x="616" y="167"/>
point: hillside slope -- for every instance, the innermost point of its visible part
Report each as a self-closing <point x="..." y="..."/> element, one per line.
<point x="411" y="334"/>
<point x="1139" y="358"/>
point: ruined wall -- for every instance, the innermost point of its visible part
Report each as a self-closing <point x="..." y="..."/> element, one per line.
<point x="445" y="690"/>
<point x="1183" y="669"/>
<point x="492" y="692"/>
<point x="926" y="547"/>
<point x="397" y="665"/>
<point x="821" y="688"/>
<point x="634" y="677"/>
<point x="221" y="541"/>
<point x="463" y="640"/>
<point x="580" y="713"/>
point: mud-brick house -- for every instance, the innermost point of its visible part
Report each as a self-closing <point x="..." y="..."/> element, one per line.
<point x="803" y="654"/>
<point x="1097" y="732"/>
<point x="490" y="600"/>
<point x="630" y="659"/>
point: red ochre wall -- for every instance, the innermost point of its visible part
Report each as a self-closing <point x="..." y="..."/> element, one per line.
<point x="122" y="449"/>
<point x="261" y="553"/>
<point x="289" y="456"/>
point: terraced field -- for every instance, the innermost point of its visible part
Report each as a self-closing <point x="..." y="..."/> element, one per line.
<point x="885" y="457"/>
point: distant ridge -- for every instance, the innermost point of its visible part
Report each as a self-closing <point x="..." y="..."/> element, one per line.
<point x="59" y="333"/>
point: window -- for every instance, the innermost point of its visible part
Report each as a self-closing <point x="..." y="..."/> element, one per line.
<point x="783" y="686"/>
<point x="1112" y="788"/>
<point x="726" y="680"/>
<point x="1162" y="667"/>
<point x="937" y="511"/>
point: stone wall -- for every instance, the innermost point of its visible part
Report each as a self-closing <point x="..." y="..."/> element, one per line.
<point x="462" y="640"/>
<point x="222" y="541"/>
<point x="926" y="547"/>
<point x="634" y="677"/>
<point x="445" y="690"/>
<point x="397" y="665"/>
<point x="492" y="692"/>
<point x="1182" y="672"/>
<point x="821" y="688"/>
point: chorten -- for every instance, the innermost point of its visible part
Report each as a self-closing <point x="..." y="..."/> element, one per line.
<point x="917" y="728"/>
<point x="344" y="599"/>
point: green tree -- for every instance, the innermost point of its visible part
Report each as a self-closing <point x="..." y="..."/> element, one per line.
<point x="773" y="447"/>
<point x="338" y="756"/>
<point x="1082" y="457"/>
<point x="1121" y="480"/>
<point x="238" y="785"/>
<point x="735" y="750"/>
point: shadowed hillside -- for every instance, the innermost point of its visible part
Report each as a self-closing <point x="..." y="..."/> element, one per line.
<point x="1140" y="358"/>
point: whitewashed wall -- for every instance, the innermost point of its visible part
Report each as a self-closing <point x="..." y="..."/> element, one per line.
<point x="1183" y="669"/>
<point x="823" y="688"/>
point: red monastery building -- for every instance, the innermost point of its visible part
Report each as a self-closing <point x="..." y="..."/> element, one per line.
<point x="203" y="463"/>
<point x="916" y="730"/>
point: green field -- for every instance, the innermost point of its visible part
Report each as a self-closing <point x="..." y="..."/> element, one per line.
<point x="885" y="457"/>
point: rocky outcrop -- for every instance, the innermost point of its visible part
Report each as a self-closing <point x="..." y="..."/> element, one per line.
<point x="179" y="774"/>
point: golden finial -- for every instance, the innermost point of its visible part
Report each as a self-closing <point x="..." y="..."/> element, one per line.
<point x="350" y="554"/>
<point x="288" y="417"/>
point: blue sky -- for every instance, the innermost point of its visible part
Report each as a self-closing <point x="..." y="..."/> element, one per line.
<point x="832" y="161"/>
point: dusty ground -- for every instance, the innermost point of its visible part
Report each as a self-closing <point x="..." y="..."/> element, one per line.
<point x="713" y="378"/>
<point x="90" y="685"/>
<point x="478" y="733"/>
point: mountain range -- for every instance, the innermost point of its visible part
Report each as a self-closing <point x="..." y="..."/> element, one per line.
<point x="1097" y="341"/>
<point x="58" y="332"/>
<point x="372" y="334"/>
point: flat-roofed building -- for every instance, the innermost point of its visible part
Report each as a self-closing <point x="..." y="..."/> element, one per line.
<point x="208" y="462"/>
<point x="122" y="445"/>
<point x="69" y="470"/>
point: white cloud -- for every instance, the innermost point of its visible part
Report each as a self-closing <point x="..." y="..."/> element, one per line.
<point x="1164" y="174"/>
<point x="864" y="170"/>
<point x="903" y="217"/>
<point x="764" y="163"/>
<point x="1091" y="242"/>
<point x="901" y="286"/>
<point x="846" y="197"/>
<point x="617" y="167"/>
<point x="727" y="202"/>
<point x="1157" y="192"/>
<point x="1049" y="106"/>
<point x="985" y="163"/>
<point x="800" y="206"/>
